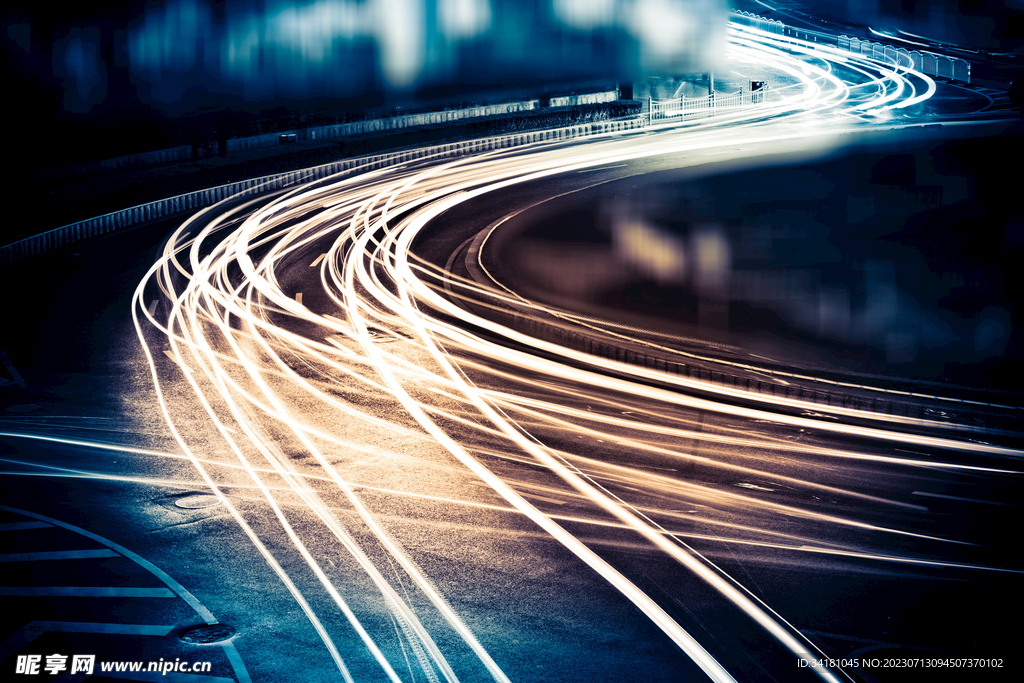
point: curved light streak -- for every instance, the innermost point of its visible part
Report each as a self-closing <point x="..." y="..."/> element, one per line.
<point x="267" y="371"/>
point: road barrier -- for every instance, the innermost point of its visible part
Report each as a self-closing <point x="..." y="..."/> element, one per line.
<point x="687" y="107"/>
<point x="68" y="235"/>
<point x="759" y="22"/>
<point x="213" y="148"/>
<point x="930" y="63"/>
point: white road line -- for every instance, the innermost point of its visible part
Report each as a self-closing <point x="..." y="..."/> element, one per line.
<point x="34" y="629"/>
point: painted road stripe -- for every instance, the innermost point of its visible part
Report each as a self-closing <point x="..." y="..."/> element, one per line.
<point x="180" y="590"/>
<point x="298" y="297"/>
<point x="18" y="526"/>
<point x="15" y="377"/>
<point x="87" y="592"/>
<point x="528" y="495"/>
<point x="237" y="664"/>
<point x="57" y="555"/>
<point x="319" y="258"/>
<point x="34" y="629"/>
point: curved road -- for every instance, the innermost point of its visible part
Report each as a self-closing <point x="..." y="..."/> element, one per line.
<point x="455" y="482"/>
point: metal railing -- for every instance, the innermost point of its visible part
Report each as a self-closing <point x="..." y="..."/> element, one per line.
<point x="930" y="63"/>
<point x="68" y="235"/>
<point x="759" y="22"/>
<point x="694" y="107"/>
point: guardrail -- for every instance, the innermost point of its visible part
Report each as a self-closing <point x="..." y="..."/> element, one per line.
<point x="68" y="235"/>
<point x="930" y="63"/>
<point x="686" y="107"/>
<point x="212" y="148"/>
<point x="759" y="22"/>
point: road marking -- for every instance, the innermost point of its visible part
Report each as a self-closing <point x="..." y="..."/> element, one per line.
<point x="18" y="526"/>
<point x="298" y="297"/>
<point x="206" y="615"/>
<point x="152" y="307"/>
<point x="319" y="258"/>
<point x="338" y="341"/>
<point x="57" y="555"/>
<point x="87" y="592"/>
<point x="34" y="629"/>
<point x="200" y="609"/>
<point x="236" y="662"/>
<point x="345" y="327"/>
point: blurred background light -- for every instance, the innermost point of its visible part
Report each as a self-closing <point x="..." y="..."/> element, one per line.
<point x="180" y="56"/>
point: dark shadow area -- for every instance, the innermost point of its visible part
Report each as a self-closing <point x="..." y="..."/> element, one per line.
<point x="894" y="256"/>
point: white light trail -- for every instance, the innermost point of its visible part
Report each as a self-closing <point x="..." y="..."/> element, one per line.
<point x="309" y="409"/>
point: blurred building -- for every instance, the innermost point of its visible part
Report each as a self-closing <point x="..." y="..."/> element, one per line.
<point x="178" y="56"/>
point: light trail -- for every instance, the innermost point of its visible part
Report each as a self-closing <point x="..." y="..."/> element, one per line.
<point x="318" y="415"/>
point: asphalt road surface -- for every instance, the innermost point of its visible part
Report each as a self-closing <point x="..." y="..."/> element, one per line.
<point x="350" y="447"/>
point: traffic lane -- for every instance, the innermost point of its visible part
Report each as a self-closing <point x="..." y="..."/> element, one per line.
<point x="88" y="382"/>
<point x="74" y="590"/>
<point x="394" y="473"/>
<point x="70" y="335"/>
<point x="841" y="567"/>
<point x="813" y="472"/>
<point x="197" y="544"/>
<point x="548" y="493"/>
